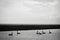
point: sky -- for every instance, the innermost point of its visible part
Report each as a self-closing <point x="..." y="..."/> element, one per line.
<point x="28" y="12"/>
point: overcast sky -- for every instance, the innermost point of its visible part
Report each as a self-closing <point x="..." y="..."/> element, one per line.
<point x="28" y="12"/>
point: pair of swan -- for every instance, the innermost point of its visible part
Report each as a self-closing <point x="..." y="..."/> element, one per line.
<point x="43" y="32"/>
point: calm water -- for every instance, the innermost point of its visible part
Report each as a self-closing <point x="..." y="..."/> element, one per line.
<point x="31" y="35"/>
